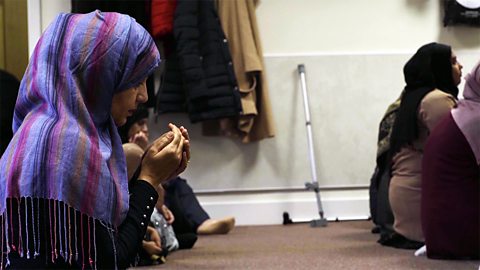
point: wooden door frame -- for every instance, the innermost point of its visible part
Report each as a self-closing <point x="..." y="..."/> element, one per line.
<point x="16" y="36"/>
<point x="2" y="35"/>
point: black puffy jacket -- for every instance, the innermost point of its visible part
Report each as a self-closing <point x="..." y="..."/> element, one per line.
<point x="199" y="76"/>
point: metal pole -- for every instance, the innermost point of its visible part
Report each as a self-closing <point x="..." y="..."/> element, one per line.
<point x="322" y="222"/>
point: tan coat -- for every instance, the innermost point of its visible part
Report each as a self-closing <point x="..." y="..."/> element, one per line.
<point x="405" y="184"/>
<point x="239" y="23"/>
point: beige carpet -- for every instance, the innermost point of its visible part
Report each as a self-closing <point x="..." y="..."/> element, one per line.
<point x="340" y="245"/>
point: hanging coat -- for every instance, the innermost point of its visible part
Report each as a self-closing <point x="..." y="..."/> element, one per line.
<point x="198" y="76"/>
<point x="239" y="23"/>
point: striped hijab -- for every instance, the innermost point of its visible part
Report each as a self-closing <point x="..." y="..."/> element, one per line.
<point x="65" y="145"/>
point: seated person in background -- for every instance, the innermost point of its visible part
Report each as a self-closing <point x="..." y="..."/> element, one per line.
<point x="190" y="217"/>
<point x="160" y="221"/>
<point x="451" y="180"/>
<point x="431" y="77"/>
<point x="153" y="252"/>
<point x="183" y="203"/>
<point x="380" y="211"/>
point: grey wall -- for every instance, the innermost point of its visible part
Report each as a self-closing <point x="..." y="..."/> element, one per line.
<point x="348" y="96"/>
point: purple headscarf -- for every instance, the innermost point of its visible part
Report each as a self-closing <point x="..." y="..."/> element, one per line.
<point x="65" y="145"/>
<point x="467" y="113"/>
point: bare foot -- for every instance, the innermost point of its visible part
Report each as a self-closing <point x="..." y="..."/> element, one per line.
<point x="216" y="226"/>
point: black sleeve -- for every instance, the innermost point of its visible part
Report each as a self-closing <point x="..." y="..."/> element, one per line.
<point x="128" y="238"/>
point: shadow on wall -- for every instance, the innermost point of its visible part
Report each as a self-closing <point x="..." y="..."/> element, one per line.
<point x="418" y="4"/>
<point x="459" y="37"/>
<point x="277" y="158"/>
<point x="250" y="158"/>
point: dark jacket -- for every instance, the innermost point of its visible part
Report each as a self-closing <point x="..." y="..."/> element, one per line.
<point x="199" y="76"/>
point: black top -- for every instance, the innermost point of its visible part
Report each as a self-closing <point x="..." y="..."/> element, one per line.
<point x="106" y="247"/>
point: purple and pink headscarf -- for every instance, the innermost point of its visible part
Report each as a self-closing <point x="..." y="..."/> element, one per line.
<point x="65" y="145"/>
<point x="467" y="114"/>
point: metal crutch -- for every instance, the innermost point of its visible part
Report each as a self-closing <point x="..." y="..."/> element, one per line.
<point x="313" y="185"/>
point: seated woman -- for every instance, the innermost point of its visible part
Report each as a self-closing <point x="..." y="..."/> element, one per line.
<point x="65" y="201"/>
<point x="451" y="180"/>
<point x="431" y="77"/>
<point x="190" y="217"/>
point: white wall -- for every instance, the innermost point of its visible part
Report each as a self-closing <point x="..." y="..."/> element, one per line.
<point x="356" y="26"/>
<point x="354" y="52"/>
<point x="351" y="26"/>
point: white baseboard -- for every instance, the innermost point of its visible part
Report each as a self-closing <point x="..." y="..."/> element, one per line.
<point x="268" y="208"/>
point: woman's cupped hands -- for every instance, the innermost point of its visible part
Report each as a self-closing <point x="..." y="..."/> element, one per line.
<point x="166" y="157"/>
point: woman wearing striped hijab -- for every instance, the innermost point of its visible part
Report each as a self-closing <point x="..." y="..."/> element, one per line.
<point x="65" y="201"/>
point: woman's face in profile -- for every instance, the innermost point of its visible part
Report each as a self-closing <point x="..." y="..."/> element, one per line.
<point x="456" y="69"/>
<point x="125" y="103"/>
